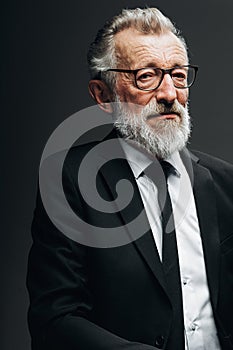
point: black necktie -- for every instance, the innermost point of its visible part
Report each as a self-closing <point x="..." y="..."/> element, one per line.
<point x="159" y="173"/>
<point x="169" y="247"/>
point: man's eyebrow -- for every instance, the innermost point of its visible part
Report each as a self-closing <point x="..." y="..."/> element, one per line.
<point x="153" y="65"/>
<point x="146" y="65"/>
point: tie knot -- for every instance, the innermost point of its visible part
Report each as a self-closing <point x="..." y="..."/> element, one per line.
<point x="158" y="171"/>
<point x="168" y="169"/>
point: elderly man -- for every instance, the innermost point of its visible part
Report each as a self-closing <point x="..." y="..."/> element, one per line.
<point x="169" y="286"/>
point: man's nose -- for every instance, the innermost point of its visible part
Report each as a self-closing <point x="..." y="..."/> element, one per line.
<point x="166" y="92"/>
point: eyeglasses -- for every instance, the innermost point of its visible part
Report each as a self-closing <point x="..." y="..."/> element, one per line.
<point x="150" y="78"/>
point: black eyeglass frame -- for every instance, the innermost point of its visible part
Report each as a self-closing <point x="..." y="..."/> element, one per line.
<point x="164" y="71"/>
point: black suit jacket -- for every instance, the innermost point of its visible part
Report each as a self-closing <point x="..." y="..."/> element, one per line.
<point x="115" y="298"/>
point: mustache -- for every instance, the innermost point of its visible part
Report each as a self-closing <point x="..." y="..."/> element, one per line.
<point x="159" y="109"/>
<point x="152" y="116"/>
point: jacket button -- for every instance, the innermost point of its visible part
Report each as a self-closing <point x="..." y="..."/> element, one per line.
<point x="159" y="341"/>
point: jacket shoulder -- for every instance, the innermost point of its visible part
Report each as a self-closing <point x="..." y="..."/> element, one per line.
<point x="211" y="161"/>
<point x="221" y="170"/>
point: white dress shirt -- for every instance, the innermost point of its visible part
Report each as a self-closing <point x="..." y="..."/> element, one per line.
<point x="199" y="326"/>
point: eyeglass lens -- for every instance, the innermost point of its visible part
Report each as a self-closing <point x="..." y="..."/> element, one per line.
<point x="150" y="78"/>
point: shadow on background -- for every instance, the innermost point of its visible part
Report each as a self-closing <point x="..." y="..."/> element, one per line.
<point x="44" y="80"/>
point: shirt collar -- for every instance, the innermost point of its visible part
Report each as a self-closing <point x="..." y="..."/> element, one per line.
<point x="139" y="159"/>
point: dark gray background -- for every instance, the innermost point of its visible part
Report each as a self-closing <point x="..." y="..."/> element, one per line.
<point x="44" y="80"/>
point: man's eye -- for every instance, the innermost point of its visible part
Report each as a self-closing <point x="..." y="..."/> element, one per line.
<point x="146" y="75"/>
<point x="179" y="75"/>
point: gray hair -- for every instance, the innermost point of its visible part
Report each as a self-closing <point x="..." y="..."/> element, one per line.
<point x="101" y="55"/>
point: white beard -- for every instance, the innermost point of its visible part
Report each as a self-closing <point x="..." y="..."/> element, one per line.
<point x="164" y="138"/>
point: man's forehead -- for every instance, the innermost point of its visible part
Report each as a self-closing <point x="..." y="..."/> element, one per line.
<point x="130" y="42"/>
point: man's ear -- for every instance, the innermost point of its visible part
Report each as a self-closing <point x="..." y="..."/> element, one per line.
<point x="100" y="92"/>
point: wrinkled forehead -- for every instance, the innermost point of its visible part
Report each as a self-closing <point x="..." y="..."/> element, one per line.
<point x="132" y="47"/>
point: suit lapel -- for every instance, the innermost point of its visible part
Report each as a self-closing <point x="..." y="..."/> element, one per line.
<point x="204" y="194"/>
<point x="144" y="243"/>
